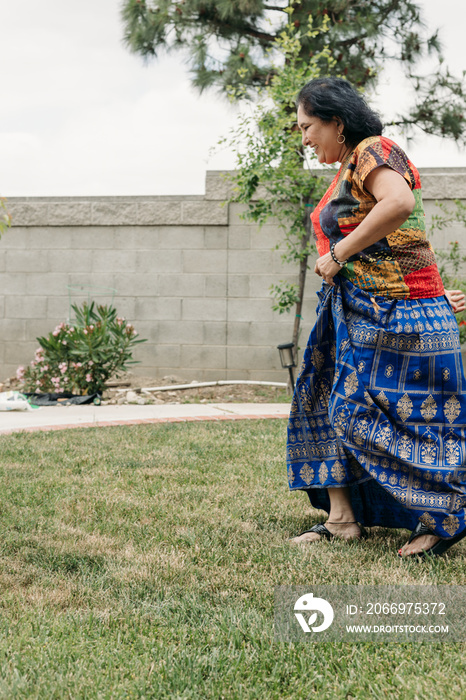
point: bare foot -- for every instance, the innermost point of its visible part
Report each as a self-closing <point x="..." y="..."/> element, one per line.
<point x="418" y="545"/>
<point x="344" y="531"/>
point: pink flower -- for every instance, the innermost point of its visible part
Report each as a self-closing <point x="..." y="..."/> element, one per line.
<point x="88" y="377"/>
<point x="20" y="373"/>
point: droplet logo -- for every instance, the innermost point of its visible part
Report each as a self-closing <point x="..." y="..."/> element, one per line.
<point x="307" y="603"/>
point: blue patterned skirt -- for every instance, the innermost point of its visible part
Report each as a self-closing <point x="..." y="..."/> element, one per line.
<point x="379" y="407"/>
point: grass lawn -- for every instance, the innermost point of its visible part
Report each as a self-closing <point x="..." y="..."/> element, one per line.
<point x="140" y="562"/>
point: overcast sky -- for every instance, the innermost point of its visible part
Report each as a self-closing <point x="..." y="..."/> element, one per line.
<point x="80" y="115"/>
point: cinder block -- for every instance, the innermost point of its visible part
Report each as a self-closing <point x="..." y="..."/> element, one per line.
<point x="181" y="237"/>
<point x="215" y="333"/>
<point x="180" y="332"/>
<point x="2" y="260"/>
<point x="165" y="261"/>
<point x="203" y="213"/>
<point x="271" y="334"/>
<point x="251" y="262"/>
<point x="50" y="284"/>
<point x="216" y="237"/>
<point x="139" y="284"/>
<point x="238" y="333"/>
<point x="115" y="261"/>
<point x="19" y="353"/>
<point x="238" y="285"/>
<point x="35" y="328"/>
<point x="97" y="285"/>
<point x="26" y="261"/>
<point x="2" y="308"/>
<point x="57" y="308"/>
<point x="181" y="285"/>
<point x="218" y="184"/>
<point x="239" y="237"/>
<point x="279" y="267"/>
<point x="146" y="237"/>
<point x="28" y="213"/>
<point x="252" y="358"/>
<point x="216" y="285"/>
<point x="70" y="213"/>
<point x="256" y="310"/>
<point x="113" y="213"/>
<point x="12" y="328"/>
<point x="15" y="238"/>
<point x="204" y="309"/>
<point x="47" y="238"/>
<point x="123" y="237"/>
<point x="159" y="212"/>
<point x="25" y="307"/>
<point x="13" y="283"/>
<point x="92" y="238"/>
<point x="70" y="260"/>
<point x="165" y="309"/>
<point x="203" y="356"/>
<point x="149" y="330"/>
<point x="126" y="307"/>
<point x="158" y="355"/>
<point x="267" y="237"/>
<point x="260" y="284"/>
<point x="235" y="211"/>
<point x="208" y="261"/>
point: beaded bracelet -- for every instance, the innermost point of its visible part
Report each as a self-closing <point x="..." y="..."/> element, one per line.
<point x="334" y="257"/>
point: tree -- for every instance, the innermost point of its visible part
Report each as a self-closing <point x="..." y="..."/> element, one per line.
<point x="270" y="178"/>
<point x="5" y="219"/>
<point x="229" y="42"/>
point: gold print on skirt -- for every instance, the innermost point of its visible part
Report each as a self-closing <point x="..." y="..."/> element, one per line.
<point x="404" y="407"/>
<point x="338" y="472"/>
<point x="428" y="408"/>
<point x="383" y="401"/>
<point x="452" y="409"/>
<point x="351" y="383"/>
<point x="323" y="473"/>
<point x="451" y="524"/>
<point x="452" y="449"/>
<point x="429" y="448"/>
<point x="306" y="473"/>
<point x="428" y="520"/>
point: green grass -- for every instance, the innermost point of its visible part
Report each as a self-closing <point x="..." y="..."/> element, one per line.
<point x="140" y="562"/>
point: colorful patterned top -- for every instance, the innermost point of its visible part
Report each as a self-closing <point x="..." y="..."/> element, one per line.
<point x="401" y="265"/>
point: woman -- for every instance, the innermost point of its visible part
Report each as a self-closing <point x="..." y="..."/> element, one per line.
<point x="377" y="427"/>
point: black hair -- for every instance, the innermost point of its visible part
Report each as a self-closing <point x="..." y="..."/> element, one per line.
<point x="327" y="98"/>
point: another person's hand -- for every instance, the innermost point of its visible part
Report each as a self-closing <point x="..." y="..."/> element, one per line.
<point x="457" y="299"/>
<point x="327" y="268"/>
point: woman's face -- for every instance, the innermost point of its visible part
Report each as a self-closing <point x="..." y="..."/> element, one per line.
<point x="322" y="137"/>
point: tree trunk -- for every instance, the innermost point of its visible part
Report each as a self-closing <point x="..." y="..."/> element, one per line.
<point x="302" y="276"/>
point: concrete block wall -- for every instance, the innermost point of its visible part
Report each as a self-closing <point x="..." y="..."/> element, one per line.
<point x="189" y="273"/>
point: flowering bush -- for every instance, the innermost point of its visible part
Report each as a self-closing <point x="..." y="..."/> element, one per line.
<point x="81" y="358"/>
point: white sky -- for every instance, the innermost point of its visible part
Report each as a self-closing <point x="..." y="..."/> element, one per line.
<point x="80" y="115"/>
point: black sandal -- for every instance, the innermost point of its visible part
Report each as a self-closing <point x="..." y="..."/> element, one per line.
<point x="437" y="549"/>
<point x="320" y="529"/>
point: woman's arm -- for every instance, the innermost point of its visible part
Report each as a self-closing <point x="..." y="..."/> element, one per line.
<point x="395" y="202"/>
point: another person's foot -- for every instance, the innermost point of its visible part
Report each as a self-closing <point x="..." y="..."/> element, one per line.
<point x="343" y="531"/>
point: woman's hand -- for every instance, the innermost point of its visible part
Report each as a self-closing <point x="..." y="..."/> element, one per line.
<point x="457" y="299"/>
<point x="327" y="268"/>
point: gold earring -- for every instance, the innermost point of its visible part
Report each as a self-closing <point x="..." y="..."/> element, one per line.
<point x="342" y="137"/>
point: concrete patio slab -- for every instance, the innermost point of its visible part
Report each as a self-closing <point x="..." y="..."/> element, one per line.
<point x="62" y="417"/>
